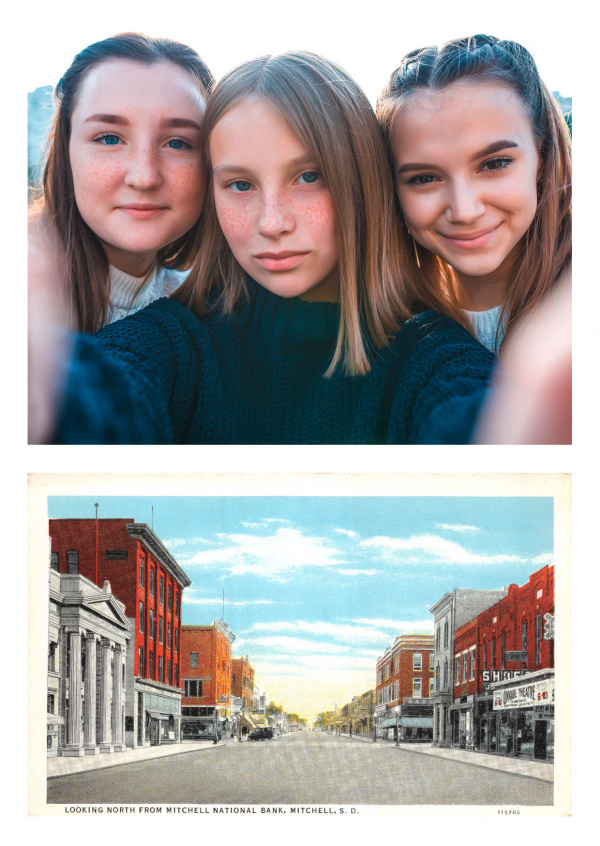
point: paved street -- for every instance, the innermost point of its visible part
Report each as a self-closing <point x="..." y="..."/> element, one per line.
<point x="301" y="768"/>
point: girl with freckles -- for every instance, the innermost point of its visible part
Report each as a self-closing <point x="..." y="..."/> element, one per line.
<point x="293" y="326"/>
<point x="124" y="182"/>
<point x="480" y="153"/>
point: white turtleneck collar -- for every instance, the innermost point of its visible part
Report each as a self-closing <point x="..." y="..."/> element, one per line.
<point x="129" y="294"/>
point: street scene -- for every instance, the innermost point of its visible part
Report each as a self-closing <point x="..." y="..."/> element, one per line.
<point x="305" y="768"/>
<point x="285" y="650"/>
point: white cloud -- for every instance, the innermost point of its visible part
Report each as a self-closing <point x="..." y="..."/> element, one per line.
<point x="542" y="560"/>
<point x="196" y="600"/>
<point x="274" y="556"/>
<point x="431" y="549"/>
<point x="358" y="572"/>
<point x="347" y="532"/>
<point x="338" y="631"/>
<point x="457" y="527"/>
<point x="398" y="626"/>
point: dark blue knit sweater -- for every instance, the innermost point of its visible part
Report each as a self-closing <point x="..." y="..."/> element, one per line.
<point x="164" y="376"/>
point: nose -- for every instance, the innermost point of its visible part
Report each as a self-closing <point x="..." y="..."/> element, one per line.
<point x="464" y="203"/>
<point x="275" y="215"/>
<point x="144" y="171"/>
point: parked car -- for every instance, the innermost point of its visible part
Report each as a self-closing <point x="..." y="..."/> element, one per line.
<point x="263" y="733"/>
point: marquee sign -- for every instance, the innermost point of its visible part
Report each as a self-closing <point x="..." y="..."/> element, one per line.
<point x="525" y="695"/>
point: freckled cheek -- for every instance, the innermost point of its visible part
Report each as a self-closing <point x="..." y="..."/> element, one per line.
<point x="237" y="223"/>
<point x="188" y="185"/>
<point x="93" y="180"/>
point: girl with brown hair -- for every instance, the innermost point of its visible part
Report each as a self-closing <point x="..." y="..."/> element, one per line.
<point x="291" y="327"/>
<point x="480" y="153"/>
<point x="124" y="180"/>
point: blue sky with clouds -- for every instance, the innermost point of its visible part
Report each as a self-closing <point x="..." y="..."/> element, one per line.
<point x="316" y="587"/>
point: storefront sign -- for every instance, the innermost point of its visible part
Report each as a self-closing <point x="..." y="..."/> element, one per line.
<point x="489" y="676"/>
<point x="525" y="696"/>
<point x="116" y="554"/>
<point x="515" y="656"/>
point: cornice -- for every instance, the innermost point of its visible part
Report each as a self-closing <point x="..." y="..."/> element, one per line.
<point x="143" y="532"/>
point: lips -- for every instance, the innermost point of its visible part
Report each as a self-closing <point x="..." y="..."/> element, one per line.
<point x="471" y="240"/>
<point x="284" y="260"/>
<point x="142" y="211"/>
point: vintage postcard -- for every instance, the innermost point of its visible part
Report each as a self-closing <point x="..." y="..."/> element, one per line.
<point x="343" y="644"/>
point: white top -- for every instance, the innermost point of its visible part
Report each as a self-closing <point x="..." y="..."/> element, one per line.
<point x="123" y="297"/>
<point x="485" y="327"/>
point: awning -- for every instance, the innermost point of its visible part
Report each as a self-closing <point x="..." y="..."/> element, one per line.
<point x="391" y="721"/>
<point x="416" y="722"/>
<point x="158" y="715"/>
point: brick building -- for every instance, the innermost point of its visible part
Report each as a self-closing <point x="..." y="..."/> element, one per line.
<point x="404" y="674"/>
<point x="206" y="679"/>
<point x="449" y="613"/>
<point x="242" y="681"/>
<point x="504" y="674"/>
<point x="146" y="578"/>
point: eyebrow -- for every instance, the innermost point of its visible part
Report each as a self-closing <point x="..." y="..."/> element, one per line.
<point x="119" y="120"/>
<point x="291" y="165"/>
<point x="495" y="147"/>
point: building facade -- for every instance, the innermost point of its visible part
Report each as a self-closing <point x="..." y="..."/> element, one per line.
<point x="242" y="681"/>
<point x="504" y="674"/>
<point x="404" y="674"/>
<point x="206" y="679"/>
<point x="145" y="577"/>
<point x="449" y="613"/>
<point x="88" y="639"/>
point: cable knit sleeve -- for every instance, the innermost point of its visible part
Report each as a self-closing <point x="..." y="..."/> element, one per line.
<point x="443" y="384"/>
<point x="135" y="382"/>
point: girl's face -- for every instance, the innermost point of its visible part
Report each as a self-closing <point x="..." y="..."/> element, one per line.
<point x="466" y="167"/>
<point x="273" y="205"/>
<point x="136" y="159"/>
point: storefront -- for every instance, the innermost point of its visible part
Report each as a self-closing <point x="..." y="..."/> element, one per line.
<point x="463" y="723"/>
<point x="520" y="721"/>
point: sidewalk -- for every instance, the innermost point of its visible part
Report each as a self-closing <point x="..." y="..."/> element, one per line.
<point x="65" y="766"/>
<point x="543" y="770"/>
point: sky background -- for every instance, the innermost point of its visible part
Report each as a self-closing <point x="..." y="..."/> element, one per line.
<point x="317" y="587"/>
<point x="368" y="39"/>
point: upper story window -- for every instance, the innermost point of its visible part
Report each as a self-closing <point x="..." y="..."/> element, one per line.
<point x="446" y="634"/>
<point x="151" y="623"/>
<point x="465" y="665"/>
<point x="142" y="568"/>
<point x="54" y="560"/>
<point x="472" y="665"/>
<point x="437" y="639"/>
<point x="457" y="670"/>
<point x="161" y="629"/>
<point x="176" y="603"/>
<point x="431" y="660"/>
<point x="152" y="571"/>
<point x="417" y="690"/>
<point x="141" y="616"/>
<point x="417" y="661"/>
<point x="194" y="660"/>
<point x="538" y="639"/>
<point x="72" y="561"/>
<point x="524" y="635"/>
<point x="161" y="590"/>
<point x="170" y="597"/>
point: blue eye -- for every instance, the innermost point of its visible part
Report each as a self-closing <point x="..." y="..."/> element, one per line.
<point x="310" y="177"/>
<point x="108" y="139"/>
<point x="241" y="186"/>
<point x="178" y="144"/>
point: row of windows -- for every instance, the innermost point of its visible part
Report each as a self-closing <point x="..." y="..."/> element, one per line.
<point x="161" y="586"/>
<point x="391" y="692"/>
<point x="157" y="672"/>
<point x="393" y="668"/>
<point x="438" y="645"/>
<point x="161" y="628"/>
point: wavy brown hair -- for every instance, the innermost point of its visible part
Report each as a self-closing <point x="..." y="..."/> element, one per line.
<point x="87" y="266"/>
<point x="545" y="250"/>
<point x="336" y="123"/>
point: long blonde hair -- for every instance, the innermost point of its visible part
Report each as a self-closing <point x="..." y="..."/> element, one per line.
<point x="335" y="122"/>
<point x="546" y="246"/>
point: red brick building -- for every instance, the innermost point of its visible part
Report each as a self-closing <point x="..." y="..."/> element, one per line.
<point x="242" y="681"/>
<point x="504" y="674"/>
<point x="404" y="683"/>
<point x="206" y="679"/>
<point x="146" y="578"/>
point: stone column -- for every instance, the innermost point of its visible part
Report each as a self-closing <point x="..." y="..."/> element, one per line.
<point x="89" y="696"/>
<point x="74" y="747"/>
<point x="117" y="700"/>
<point x="105" y="738"/>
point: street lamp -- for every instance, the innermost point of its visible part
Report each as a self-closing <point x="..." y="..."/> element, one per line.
<point x="397" y="710"/>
